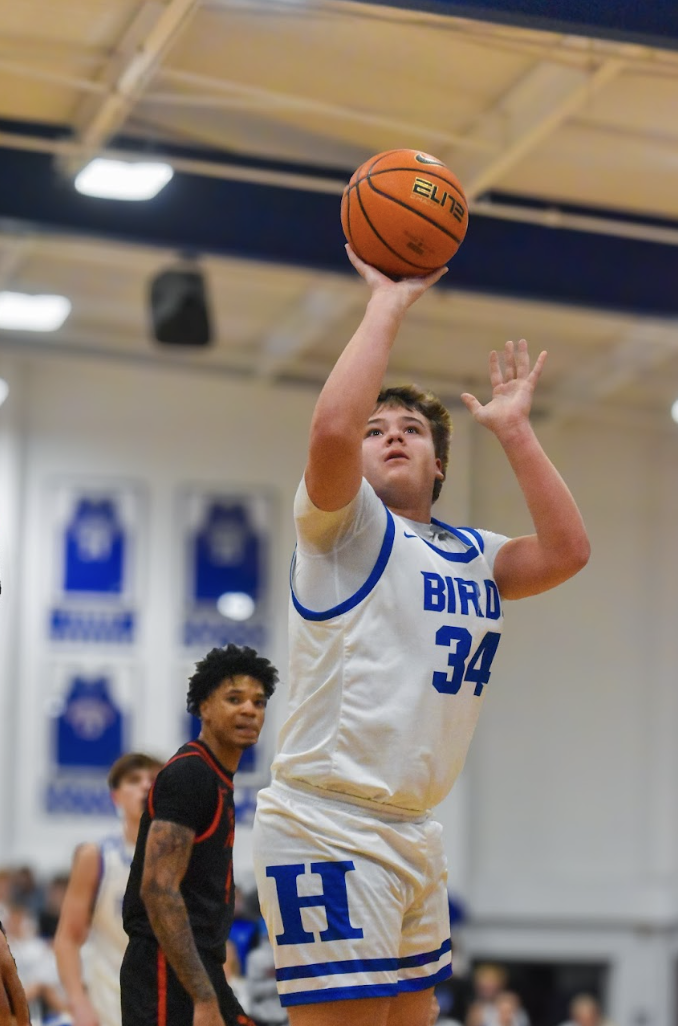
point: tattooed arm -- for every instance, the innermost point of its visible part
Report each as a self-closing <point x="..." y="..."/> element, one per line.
<point x="168" y="850"/>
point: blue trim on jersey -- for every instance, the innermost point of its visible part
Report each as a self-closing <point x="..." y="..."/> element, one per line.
<point x="423" y="982"/>
<point x="361" y="593"/>
<point x="317" y="997"/>
<point x="426" y="956"/>
<point x="467" y="530"/>
<point x="362" y="965"/>
<point x="349" y="965"/>
<point x="458" y="557"/>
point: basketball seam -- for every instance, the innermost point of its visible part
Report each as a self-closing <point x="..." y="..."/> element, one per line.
<point x="419" y="267"/>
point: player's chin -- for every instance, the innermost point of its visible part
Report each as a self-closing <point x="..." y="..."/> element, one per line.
<point x="247" y="739"/>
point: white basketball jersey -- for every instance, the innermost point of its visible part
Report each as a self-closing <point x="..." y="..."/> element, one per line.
<point x="107" y="940"/>
<point x="386" y="687"/>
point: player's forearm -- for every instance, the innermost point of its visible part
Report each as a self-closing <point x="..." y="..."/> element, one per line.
<point x="69" y="967"/>
<point x="349" y="394"/>
<point x="557" y="521"/>
<point x="169" y="919"/>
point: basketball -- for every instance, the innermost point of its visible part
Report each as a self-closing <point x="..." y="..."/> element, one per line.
<point x="404" y="212"/>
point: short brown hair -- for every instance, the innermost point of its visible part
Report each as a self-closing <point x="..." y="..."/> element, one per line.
<point x="128" y="763"/>
<point x="430" y="406"/>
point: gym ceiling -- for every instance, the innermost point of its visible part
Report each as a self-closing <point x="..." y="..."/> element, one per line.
<point x="560" y="117"/>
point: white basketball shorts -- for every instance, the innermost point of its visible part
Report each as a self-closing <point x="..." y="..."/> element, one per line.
<point x="355" y="905"/>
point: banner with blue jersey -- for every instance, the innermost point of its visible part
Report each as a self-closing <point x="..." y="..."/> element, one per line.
<point x="94" y="581"/>
<point x="226" y="545"/>
<point x="89" y="725"/>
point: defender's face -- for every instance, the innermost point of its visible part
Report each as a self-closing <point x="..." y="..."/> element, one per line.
<point x="399" y="459"/>
<point x="234" y="712"/>
<point x="131" y="794"/>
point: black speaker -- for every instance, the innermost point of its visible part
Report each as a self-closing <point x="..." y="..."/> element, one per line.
<point x="179" y="308"/>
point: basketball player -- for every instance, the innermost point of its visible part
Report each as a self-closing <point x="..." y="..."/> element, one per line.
<point x="13" y="1004"/>
<point x="394" y="622"/>
<point x="179" y="902"/>
<point x="92" y="907"/>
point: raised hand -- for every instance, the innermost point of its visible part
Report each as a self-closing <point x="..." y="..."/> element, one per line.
<point x="513" y="386"/>
<point x="406" y="289"/>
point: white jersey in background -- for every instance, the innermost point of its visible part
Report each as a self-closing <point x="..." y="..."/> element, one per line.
<point x="393" y="629"/>
<point x="107" y="940"/>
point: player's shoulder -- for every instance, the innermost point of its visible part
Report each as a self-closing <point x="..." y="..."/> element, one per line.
<point x="87" y="861"/>
<point x="192" y="761"/>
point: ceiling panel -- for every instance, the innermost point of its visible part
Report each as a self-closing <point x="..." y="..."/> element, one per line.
<point x="243" y="95"/>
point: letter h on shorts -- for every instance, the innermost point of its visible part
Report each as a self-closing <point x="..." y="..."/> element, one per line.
<point x="333" y="897"/>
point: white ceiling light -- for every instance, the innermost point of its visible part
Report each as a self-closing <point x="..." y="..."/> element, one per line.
<point x="122" y="180"/>
<point x="22" y="312"/>
<point x="4" y="390"/>
<point x="674" y="411"/>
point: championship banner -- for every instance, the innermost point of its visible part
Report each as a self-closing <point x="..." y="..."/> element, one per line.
<point x="94" y="574"/>
<point x="227" y="569"/>
<point x="89" y="723"/>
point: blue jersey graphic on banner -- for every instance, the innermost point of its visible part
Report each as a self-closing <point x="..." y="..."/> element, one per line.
<point x="226" y="587"/>
<point x="94" y="549"/>
<point x="89" y="729"/>
<point x="226" y="555"/>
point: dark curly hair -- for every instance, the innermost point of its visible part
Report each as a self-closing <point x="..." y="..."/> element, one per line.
<point x="221" y="663"/>
<point x="412" y="398"/>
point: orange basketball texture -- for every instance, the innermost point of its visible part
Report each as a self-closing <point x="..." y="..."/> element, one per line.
<point x="404" y="212"/>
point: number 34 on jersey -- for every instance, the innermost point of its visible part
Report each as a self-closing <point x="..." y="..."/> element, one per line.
<point x="464" y="597"/>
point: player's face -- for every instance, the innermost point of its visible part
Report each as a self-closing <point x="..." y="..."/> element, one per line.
<point x="130" y="795"/>
<point x="399" y="459"/>
<point x="234" y="713"/>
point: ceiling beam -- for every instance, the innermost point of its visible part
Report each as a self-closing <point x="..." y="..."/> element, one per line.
<point x="14" y="252"/>
<point x="300" y="226"/>
<point x="318" y="311"/>
<point x="155" y="27"/>
<point x="644" y="347"/>
<point x="536" y="105"/>
<point x="648" y="24"/>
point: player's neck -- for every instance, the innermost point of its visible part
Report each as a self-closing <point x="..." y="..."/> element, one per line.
<point x="228" y="755"/>
<point x="421" y="512"/>
<point x="130" y="830"/>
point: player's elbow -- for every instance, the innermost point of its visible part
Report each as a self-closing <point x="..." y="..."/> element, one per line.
<point x="580" y="553"/>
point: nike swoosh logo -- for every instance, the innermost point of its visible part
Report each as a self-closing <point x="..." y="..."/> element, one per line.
<point x="423" y="159"/>
<point x="410" y="535"/>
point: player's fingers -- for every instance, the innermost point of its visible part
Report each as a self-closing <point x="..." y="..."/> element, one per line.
<point x="509" y="362"/>
<point x="522" y="358"/>
<point x="496" y="376"/>
<point x="360" y="265"/>
<point x="369" y="273"/>
<point x="434" y="276"/>
<point x="535" y="373"/>
<point x="470" y="402"/>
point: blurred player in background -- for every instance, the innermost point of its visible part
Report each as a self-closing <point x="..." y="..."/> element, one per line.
<point x="394" y="623"/>
<point x="91" y="912"/>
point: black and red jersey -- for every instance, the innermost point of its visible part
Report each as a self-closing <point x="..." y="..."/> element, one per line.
<point x="194" y="790"/>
